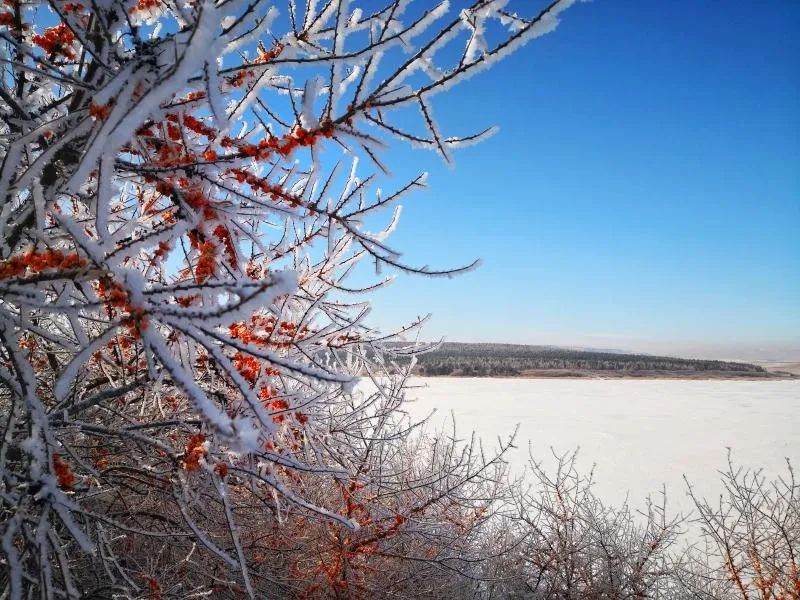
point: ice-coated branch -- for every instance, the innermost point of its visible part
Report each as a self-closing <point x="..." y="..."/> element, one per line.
<point x="179" y="343"/>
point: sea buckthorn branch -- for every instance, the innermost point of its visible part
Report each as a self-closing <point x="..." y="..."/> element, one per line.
<point x="175" y="343"/>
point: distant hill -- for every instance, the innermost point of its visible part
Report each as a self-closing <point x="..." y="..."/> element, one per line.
<point x="508" y="360"/>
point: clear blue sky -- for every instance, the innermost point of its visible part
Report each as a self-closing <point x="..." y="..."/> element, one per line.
<point x="643" y="191"/>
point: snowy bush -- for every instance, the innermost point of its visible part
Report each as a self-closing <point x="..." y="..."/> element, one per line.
<point x="182" y="204"/>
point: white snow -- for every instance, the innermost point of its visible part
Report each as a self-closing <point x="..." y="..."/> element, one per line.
<point x="640" y="433"/>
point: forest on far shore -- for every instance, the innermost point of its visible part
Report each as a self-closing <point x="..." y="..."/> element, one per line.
<point x="486" y="360"/>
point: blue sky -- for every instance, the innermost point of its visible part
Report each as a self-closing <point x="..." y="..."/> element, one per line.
<point x="643" y="191"/>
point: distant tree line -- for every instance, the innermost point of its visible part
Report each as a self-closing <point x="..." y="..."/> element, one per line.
<point x="478" y="360"/>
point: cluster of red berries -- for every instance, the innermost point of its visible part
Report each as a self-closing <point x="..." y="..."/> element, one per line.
<point x="206" y="265"/>
<point x="143" y="5"/>
<point x="198" y="126"/>
<point x="254" y="270"/>
<point x="174" y="132"/>
<point x="258" y="184"/>
<point x="195" y="451"/>
<point x="265" y="56"/>
<point x="116" y="299"/>
<point x="155" y="588"/>
<point x="163" y="249"/>
<point x="65" y="476"/>
<point x="197" y="200"/>
<point x="276" y="404"/>
<point x="99" y="112"/>
<point x="191" y="96"/>
<point x="224" y="236"/>
<point x="36" y="262"/>
<point x="113" y="294"/>
<point x="240" y="78"/>
<point x="192" y="123"/>
<point x="193" y="196"/>
<point x="170" y="155"/>
<point x="101" y="462"/>
<point x="56" y="41"/>
<point x="268" y="324"/>
<point x="283" y="145"/>
<point x="248" y="366"/>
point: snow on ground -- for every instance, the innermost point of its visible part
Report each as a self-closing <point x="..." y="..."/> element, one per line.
<point x="640" y="433"/>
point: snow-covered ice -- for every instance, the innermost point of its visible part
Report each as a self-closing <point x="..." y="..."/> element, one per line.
<point x="640" y="433"/>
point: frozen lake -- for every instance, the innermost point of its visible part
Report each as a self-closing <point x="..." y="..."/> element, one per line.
<point x="640" y="433"/>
